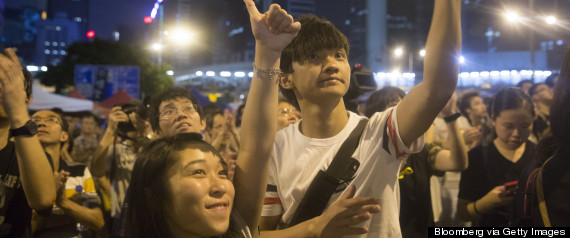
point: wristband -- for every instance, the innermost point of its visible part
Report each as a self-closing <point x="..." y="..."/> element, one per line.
<point x="266" y="74"/>
<point x="452" y="117"/>
<point x="475" y="208"/>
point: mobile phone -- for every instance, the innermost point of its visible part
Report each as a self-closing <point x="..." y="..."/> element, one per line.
<point x="511" y="185"/>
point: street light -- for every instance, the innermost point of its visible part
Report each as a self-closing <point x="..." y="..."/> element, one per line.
<point x="512" y="17"/>
<point x="551" y="20"/>
<point x="181" y="36"/>
<point x="398" y="52"/>
<point x="156" y="46"/>
<point x="423" y="53"/>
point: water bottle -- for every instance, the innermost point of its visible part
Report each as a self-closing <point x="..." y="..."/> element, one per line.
<point x="81" y="198"/>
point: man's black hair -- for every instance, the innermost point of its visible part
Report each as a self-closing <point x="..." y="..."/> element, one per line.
<point x="532" y="90"/>
<point x="315" y="34"/>
<point x="464" y="100"/>
<point x="170" y="94"/>
<point x="522" y="82"/>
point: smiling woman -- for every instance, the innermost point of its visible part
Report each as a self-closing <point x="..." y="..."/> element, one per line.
<point x="179" y="188"/>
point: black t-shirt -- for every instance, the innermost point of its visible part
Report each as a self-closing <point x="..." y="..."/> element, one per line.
<point x="15" y="213"/>
<point x="540" y="125"/>
<point x="415" y="198"/>
<point x="488" y="169"/>
<point x="556" y="183"/>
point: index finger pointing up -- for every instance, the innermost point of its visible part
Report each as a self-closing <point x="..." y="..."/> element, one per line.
<point x="251" y="8"/>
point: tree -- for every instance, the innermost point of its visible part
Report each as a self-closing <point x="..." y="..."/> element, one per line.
<point x="153" y="77"/>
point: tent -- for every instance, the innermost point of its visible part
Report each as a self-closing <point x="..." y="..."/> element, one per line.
<point x="43" y="100"/>
<point x="76" y="94"/>
<point x="120" y="97"/>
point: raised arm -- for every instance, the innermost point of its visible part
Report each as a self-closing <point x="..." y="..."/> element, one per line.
<point x="440" y="72"/>
<point x="273" y="30"/>
<point x="454" y="159"/>
<point x="99" y="163"/>
<point x="36" y="174"/>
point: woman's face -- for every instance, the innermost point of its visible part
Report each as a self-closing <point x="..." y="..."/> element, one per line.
<point x="513" y="127"/>
<point x="202" y="196"/>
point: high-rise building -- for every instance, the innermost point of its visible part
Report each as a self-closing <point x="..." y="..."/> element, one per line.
<point x="74" y="10"/>
<point x="53" y="38"/>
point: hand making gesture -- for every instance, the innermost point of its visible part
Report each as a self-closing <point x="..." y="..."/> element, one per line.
<point x="274" y="29"/>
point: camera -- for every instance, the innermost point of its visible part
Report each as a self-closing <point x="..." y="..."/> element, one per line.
<point x="128" y="126"/>
<point x="361" y="82"/>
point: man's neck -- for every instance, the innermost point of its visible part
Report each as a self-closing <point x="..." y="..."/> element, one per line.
<point x="54" y="151"/>
<point x="475" y="120"/>
<point x="4" y="132"/>
<point x="323" y="120"/>
<point x="544" y="109"/>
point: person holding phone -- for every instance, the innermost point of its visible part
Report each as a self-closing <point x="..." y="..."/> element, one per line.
<point x="486" y="189"/>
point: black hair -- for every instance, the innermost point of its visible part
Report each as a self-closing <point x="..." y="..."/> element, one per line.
<point x="28" y="80"/>
<point x="239" y="114"/>
<point x="522" y="82"/>
<point x="532" y="90"/>
<point x="381" y="99"/>
<point x="210" y="111"/>
<point x="464" y="100"/>
<point x="170" y="94"/>
<point x="150" y="193"/>
<point x="510" y="98"/>
<point x="550" y="79"/>
<point x="316" y="34"/>
<point x="89" y="114"/>
<point x="559" y="111"/>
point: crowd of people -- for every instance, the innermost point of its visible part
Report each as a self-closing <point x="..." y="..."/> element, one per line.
<point x="292" y="161"/>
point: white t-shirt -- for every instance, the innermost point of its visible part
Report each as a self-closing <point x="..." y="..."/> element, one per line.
<point x="441" y="132"/>
<point x="296" y="159"/>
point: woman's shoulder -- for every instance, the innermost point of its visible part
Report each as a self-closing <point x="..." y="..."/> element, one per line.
<point x="238" y="228"/>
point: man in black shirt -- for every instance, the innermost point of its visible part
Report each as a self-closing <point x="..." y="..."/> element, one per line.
<point x="27" y="180"/>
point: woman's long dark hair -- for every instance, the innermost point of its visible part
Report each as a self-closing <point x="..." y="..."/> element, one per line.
<point x="560" y="110"/>
<point x="150" y="194"/>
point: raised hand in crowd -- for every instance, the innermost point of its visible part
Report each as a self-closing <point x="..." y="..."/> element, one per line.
<point x="33" y="165"/>
<point x="472" y="136"/>
<point x="60" y="180"/>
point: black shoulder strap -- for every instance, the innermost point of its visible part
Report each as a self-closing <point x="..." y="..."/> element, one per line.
<point x="342" y="169"/>
<point x="343" y="161"/>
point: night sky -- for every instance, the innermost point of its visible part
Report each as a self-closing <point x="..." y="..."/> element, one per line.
<point x="106" y="15"/>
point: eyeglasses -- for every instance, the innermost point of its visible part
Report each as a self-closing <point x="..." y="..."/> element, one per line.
<point x="283" y="112"/>
<point x="169" y="111"/>
<point x="52" y="120"/>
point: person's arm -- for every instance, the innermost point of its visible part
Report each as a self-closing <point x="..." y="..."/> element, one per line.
<point x="90" y="217"/>
<point x="471" y="210"/>
<point x="454" y="159"/>
<point x="338" y="220"/>
<point x="99" y="162"/>
<point x="36" y="175"/>
<point x="258" y="126"/>
<point x="418" y="109"/>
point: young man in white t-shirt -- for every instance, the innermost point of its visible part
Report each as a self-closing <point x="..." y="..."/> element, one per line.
<point x="316" y="73"/>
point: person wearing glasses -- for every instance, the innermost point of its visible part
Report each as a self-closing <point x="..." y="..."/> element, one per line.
<point x="176" y="111"/>
<point x="67" y="210"/>
<point x="287" y="114"/>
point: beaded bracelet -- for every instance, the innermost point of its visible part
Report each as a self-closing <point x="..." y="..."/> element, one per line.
<point x="266" y="74"/>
